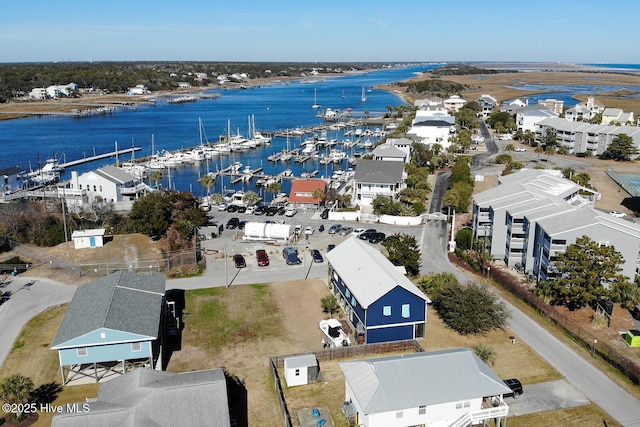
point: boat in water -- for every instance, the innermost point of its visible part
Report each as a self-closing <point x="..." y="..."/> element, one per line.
<point x="334" y="335"/>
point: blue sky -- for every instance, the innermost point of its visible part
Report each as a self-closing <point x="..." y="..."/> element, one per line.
<point x="326" y="30"/>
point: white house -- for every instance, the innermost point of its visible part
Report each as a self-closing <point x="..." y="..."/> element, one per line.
<point x="487" y="103"/>
<point x="528" y="117"/>
<point x="434" y="389"/>
<point x="583" y="111"/>
<point x="38" y="93"/>
<point x="393" y="149"/>
<point x="454" y="103"/>
<point x="376" y="177"/>
<point x="93" y="238"/>
<point x="107" y="184"/>
<point x="301" y="369"/>
<point x="138" y="90"/>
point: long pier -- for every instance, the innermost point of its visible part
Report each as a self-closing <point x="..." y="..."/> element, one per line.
<point x="99" y="156"/>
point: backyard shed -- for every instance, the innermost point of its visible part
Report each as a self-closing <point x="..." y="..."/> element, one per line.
<point x="301" y="369"/>
<point x="93" y="238"/>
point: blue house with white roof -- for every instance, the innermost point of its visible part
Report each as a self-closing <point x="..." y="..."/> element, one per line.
<point x="380" y="302"/>
<point x="112" y="322"/>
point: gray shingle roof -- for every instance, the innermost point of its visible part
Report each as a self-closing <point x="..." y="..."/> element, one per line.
<point x="145" y="397"/>
<point x="413" y="380"/>
<point x="122" y="301"/>
<point x="378" y="172"/>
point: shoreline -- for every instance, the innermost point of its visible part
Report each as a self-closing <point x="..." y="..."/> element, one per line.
<point x="502" y="85"/>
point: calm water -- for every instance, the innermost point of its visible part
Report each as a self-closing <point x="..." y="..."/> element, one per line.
<point x="275" y="107"/>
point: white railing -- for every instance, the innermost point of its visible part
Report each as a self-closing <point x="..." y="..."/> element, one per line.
<point x="481" y="415"/>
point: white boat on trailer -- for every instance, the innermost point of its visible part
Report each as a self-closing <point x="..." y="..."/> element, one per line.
<point x="335" y="336"/>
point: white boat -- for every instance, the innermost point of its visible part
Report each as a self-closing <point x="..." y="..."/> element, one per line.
<point x="315" y="103"/>
<point x="334" y="334"/>
<point x="364" y="96"/>
<point x="336" y="155"/>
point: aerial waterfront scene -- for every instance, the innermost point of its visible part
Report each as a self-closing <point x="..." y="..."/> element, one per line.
<point x="317" y="215"/>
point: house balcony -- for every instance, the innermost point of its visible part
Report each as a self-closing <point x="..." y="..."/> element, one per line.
<point x="489" y="412"/>
<point x="136" y="189"/>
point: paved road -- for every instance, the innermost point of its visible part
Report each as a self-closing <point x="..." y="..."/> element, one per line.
<point x="29" y="296"/>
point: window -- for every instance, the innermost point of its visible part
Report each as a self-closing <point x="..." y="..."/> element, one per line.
<point x="399" y="414"/>
<point x="386" y="310"/>
<point x="353" y="301"/>
<point x="297" y="372"/>
<point x="94" y="188"/>
<point x="422" y="410"/>
<point x="82" y="351"/>
<point x="347" y="293"/>
<point x="136" y="346"/>
<point x="406" y="311"/>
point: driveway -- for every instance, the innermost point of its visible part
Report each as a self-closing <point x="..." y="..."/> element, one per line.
<point x="29" y="296"/>
<point x="546" y="397"/>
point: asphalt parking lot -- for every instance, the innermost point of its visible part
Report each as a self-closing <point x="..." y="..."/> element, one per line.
<point x="222" y="271"/>
<point x="546" y="397"/>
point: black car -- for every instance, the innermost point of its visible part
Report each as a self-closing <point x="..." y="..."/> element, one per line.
<point x="325" y="214"/>
<point x="515" y="386"/>
<point x="377" y="238"/>
<point x="290" y="255"/>
<point x="271" y="211"/>
<point x="317" y="256"/>
<point x="281" y="210"/>
<point x="231" y="208"/>
<point x="241" y="225"/>
<point x="233" y="223"/>
<point x="259" y="210"/>
<point x="241" y="209"/>
<point x="366" y="235"/>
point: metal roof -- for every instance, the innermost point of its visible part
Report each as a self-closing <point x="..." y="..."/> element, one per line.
<point x="115" y="174"/>
<point x="420" y="379"/>
<point x="146" y="397"/>
<point x="368" y="274"/>
<point x="122" y="301"/>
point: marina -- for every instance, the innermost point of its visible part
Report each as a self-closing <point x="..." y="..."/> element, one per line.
<point x="176" y="134"/>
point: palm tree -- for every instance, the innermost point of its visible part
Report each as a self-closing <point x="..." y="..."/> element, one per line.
<point x="207" y="181"/>
<point x="319" y="194"/>
<point x="251" y="198"/>
<point x="274" y="188"/>
<point x="329" y="305"/>
<point x="485" y="353"/>
<point x="16" y="389"/>
<point x="155" y="177"/>
<point x="509" y="147"/>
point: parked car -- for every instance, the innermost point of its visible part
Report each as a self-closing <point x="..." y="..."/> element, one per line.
<point x="241" y="208"/>
<point x="515" y="386"/>
<point x="291" y="212"/>
<point x="223" y="206"/>
<point x="290" y="255"/>
<point x="365" y="235"/>
<point x="345" y="230"/>
<point x="250" y="209"/>
<point x="317" y="256"/>
<point x="233" y="223"/>
<point x="282" y="210"/>
<point x="358" y="231"/>
<point x="231" y="208"/>
<point x="636" y="312"/>
<point x="617" y="214"/>
<point x="309" y="230"/>
<point x="520" y="149"/>
<point x="239" y="261"/>
<point x="335" y="228"/>
<point x="271" y="211"/>
<point x="325" y="214"/>
<point x="377" y="238"/>
<point x="262" y="257"/>
<point x="259" y="210"/>
<point x="241" y="224"/>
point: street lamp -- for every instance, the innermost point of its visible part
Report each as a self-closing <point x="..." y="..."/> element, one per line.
<point x="593" y="350"/>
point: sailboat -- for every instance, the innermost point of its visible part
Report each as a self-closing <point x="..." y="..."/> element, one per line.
<point x="315" y="103"/>
<point x="364" y="96"/>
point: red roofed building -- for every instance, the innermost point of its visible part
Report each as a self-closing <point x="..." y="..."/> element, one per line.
<point x="302" y="192"/>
